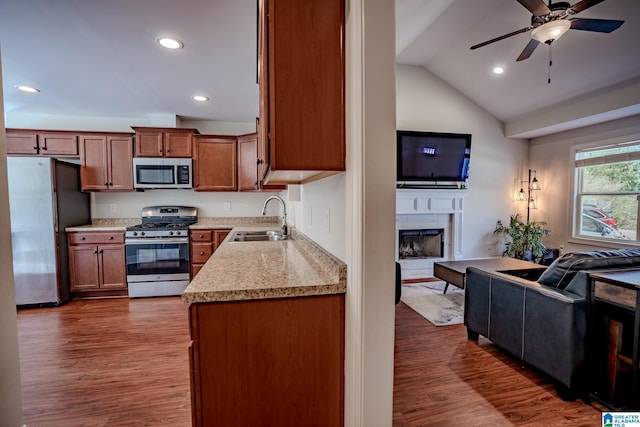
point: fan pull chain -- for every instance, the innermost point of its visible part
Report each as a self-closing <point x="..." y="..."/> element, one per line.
<point x="550" y="64"/>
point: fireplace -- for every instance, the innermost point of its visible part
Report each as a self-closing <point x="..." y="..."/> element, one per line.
<point x="428" y="209"/>
<point x="421" y="244"/>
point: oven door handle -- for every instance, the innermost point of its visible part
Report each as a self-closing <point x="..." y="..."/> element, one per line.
<point x="151" y="241"/>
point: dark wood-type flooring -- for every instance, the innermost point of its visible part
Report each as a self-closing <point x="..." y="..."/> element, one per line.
<point x="122" y="362"/>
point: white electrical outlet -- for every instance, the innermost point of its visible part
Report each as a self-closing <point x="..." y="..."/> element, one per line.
<point x="113" y="207"/>
<point x="326" y="220"/>
<point x="308" y="217"/>
<point x="227" y="207"/>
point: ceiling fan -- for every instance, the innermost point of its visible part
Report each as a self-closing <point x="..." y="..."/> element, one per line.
<point x="550" y="22"/>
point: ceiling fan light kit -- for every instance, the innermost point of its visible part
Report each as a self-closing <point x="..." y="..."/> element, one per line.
<point x="551" y="31"/>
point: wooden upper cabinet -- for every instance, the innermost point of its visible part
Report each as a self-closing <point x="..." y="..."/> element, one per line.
<point x="106" y="162"/>
<point x="248" y="163"/>
<point x="45" y="143"/>
<point x="301" y="76"/>
<point x="215" y="163"/>
<point x="163" y="142"/>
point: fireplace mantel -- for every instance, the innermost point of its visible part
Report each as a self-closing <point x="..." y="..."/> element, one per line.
<point x="432" y="207"/>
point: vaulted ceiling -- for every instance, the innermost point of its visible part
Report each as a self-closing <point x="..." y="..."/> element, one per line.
<point x="99" y="58"/>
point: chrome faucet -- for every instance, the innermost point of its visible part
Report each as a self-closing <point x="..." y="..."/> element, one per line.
<point x="283" y="229"/>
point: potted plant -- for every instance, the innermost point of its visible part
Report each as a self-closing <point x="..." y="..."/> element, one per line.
<point x="525" y="237"/>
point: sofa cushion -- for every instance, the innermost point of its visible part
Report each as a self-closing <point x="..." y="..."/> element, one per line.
<point x="563" y="269"/>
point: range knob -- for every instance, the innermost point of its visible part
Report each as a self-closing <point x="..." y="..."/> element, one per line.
<point x="171" y="233"/>
<point x="142" y="233"/>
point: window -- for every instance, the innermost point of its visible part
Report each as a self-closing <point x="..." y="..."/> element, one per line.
<point x="607" y="187"/>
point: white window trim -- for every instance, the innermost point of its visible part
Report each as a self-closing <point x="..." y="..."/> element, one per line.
<point x="573" y="181"/>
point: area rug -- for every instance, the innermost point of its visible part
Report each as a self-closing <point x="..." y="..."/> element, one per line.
<point x="429" y="302"/>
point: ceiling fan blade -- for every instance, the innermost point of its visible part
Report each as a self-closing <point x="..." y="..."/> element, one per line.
<point x="584" y="4"/>
<point x="528" y="50"/>
<point x="524" y="30"/>
<point x="536" y="7"/>
<point x="598" y="25"/>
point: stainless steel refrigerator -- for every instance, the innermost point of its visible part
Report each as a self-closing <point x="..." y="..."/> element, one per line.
<point x="44" y="199"/>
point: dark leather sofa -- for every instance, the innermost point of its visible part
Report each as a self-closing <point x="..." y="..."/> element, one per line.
<point x="542" y="320"/>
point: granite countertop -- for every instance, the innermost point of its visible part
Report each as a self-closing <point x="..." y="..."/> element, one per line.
<point x="261" y="270"/>
<point x="120" y="224"/>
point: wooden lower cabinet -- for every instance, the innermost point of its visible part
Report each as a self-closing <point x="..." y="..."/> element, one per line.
<point x="204" y="242"/>
<point x="97" y="264"/>
<point x="272" y="362"/>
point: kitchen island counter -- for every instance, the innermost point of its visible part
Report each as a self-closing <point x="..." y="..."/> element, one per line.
<point x="262" y="270"/>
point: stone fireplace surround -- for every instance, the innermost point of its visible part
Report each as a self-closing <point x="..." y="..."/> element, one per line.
<point x="426" y="209"/>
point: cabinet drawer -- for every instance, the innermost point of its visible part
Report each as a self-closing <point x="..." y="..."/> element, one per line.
<point x="201" y="252"/>
<point x="95" y="237"/>
<point x="201" y="235"/>
<point x="604" y="291"/>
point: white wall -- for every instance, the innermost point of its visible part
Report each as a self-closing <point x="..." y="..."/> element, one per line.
<point x="426" y="103"/>
<point x="124" y="124"/>
<point x="551" y="157"/>
<point x="320" y="214"/>
<point x="209" y="203"/>
<point x="10" y="386"/>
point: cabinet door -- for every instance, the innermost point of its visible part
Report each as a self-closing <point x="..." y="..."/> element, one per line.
<point x="149" y="144"/>
<point x="215" y="164"/>
<point x="120" y="149"/>
<point x="93" y="160"/>
<point x="248" y="162"/>
<point x="112" y="267"/>
<point x="22" y="142"/>
<point x="83" y="267"/>
<point x="306" y="128"/>
<point x="177" y="144"/>
<point x="219" y="236"/>
<point x="58" y="144"/>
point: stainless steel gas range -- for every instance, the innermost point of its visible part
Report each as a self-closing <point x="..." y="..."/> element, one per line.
<point x="157" y="251"/>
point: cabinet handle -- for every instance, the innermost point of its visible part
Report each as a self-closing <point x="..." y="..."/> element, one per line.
<point x="110" y="237"/>
<point x="83" y="238"/>
<point x="258" y="161"/>
<point x="201" y="253"/>
<point x="95" y="252"/>
<point x="168" y="151"/>
<point x="100" y="251"/>
<point x="201" y="236"/>
<point x="35" y="147"/>
<point x="255" y="183"/>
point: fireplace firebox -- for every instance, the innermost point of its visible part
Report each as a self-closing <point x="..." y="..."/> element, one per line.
<point x="420" y="244"/>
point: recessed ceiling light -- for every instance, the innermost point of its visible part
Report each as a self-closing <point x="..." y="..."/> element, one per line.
<point x="498" y="70"/>
<point x="169" y="43"/>
<point x="28" y="89"/>
<point x="200" y="98"/>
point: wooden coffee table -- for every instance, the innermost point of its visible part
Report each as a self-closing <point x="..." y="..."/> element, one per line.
<point x="453" y="272"/>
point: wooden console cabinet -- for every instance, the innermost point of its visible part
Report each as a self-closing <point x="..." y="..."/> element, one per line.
<point x="97" y="264"/>
<point x="271" y="362"/>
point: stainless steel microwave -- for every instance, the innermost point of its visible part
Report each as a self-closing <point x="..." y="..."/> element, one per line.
<point x="156" y="172"/>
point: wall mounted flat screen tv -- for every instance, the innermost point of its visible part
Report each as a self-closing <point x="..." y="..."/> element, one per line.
<point x="432" y="158"/>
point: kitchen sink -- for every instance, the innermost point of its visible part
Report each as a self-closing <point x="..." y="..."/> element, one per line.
<point x="257" y="236"/>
